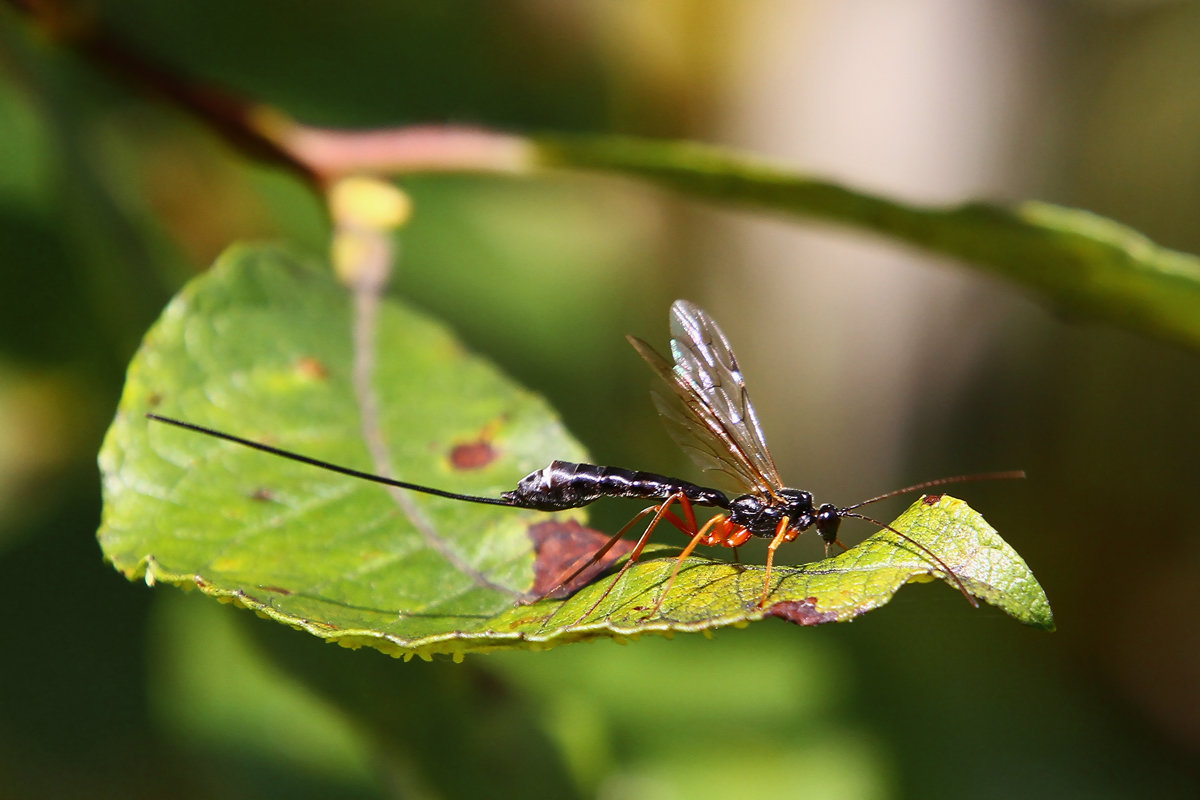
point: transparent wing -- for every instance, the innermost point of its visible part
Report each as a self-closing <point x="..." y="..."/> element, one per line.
<point x="710" y="416"/>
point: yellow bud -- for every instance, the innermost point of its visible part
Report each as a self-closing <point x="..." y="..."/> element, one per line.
<point x="371" y="203"/>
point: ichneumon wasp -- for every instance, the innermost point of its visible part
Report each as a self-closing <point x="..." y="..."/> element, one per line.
<point x="709" y="414"/>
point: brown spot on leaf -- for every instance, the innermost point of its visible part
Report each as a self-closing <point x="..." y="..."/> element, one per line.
<point x="472" y="455"/>
<point x="154" y="400"/>
<point x="563" y="547"/>
<point x="312" y="368"/>
<point x="931" y="499"/>
<point x="277" y="590"/>
<point x="262" y="495"/>
<point x="479" y="452"/>
<point x="801" y="612"/>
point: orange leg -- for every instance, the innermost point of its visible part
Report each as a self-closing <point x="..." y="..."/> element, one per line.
<point x="697" y="537"/>
<point x="781" y="536"/>
<point x="599" y="554"/>
<point x="661" y="512"/>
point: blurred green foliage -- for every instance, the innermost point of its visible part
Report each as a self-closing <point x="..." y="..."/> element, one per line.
<point x="108" y="202"/>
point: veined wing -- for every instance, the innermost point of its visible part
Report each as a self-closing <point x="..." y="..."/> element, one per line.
<point x="713" y="420"/>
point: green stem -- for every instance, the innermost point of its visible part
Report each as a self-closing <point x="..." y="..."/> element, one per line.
<point x="1082" y="263"/>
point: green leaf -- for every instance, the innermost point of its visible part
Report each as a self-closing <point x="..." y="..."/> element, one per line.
<point x="709" y="594"/>
<point x="1079" y="262"/>
<point x="262" y="347"/>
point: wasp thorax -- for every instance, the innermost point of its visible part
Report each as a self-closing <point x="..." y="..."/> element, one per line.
<point x="755" y="515"/>
<point x="761" y="516"/>
<point x="798" y="504"/>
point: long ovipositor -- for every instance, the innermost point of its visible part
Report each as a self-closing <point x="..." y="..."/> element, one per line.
<point x="557" y="487"/>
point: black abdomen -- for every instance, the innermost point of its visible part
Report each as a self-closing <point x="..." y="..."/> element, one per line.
<point x="565" y="484"/>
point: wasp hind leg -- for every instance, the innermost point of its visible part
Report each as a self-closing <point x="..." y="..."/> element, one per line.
<point x="697" y="538"/>
<point x="661" y="512"/>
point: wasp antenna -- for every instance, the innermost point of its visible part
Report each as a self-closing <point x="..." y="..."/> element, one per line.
<point x="961" y="587"/>
<point x="917" y="487"/>
<point x="315" y="462"/>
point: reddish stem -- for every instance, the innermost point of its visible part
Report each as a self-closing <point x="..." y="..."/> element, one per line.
<point x="317" y="155"/>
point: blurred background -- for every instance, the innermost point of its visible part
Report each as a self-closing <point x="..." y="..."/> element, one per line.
<point x="872" y="367"/>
